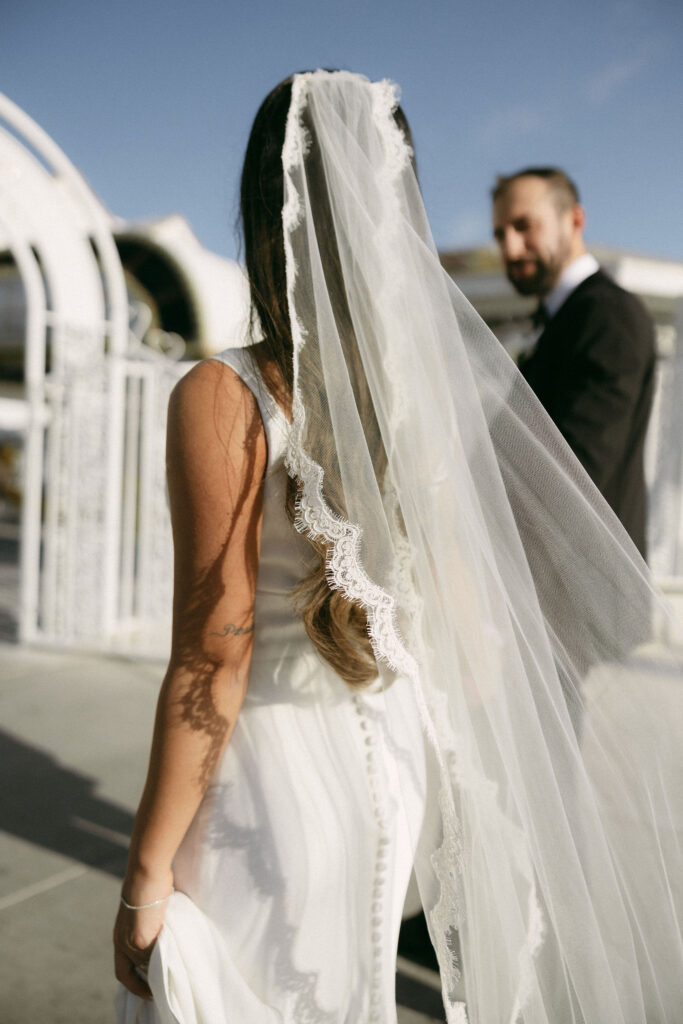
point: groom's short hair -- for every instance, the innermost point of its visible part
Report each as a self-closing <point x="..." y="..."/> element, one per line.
<point x="565" y="193"/>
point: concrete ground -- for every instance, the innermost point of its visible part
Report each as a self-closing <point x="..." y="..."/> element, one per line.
<point x="73" y="749"/>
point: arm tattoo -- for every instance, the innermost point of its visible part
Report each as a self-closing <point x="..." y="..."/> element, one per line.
<point x="230" y="629"/>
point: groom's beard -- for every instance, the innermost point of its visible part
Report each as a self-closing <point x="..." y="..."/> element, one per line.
<point x="533" y="276"/>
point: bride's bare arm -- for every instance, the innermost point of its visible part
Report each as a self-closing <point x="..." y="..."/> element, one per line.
<point x="216" y="457"/>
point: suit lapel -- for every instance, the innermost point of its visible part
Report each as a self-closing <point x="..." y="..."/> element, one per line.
<point x="546" y="364"/>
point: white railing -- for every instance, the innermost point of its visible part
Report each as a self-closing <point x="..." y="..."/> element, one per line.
<point x="107" y="404"/>
<point x="145" y="581"/>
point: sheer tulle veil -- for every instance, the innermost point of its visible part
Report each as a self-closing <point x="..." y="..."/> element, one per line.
<point x="498" y="581"/>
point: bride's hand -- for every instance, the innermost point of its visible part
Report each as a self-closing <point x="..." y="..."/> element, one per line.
<point x="136" y="932"/>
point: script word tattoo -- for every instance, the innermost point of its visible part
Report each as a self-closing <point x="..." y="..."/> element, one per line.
<point x="230" y="629"/>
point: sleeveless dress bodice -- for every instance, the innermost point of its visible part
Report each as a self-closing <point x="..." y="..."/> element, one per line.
<point x="284" y="554"/>
<point x="291" y="879"/>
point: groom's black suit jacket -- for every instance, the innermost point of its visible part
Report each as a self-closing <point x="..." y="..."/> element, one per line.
<point x="593" y="370"/>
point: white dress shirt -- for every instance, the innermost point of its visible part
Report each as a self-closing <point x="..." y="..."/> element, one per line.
<point x="571" y="277"/>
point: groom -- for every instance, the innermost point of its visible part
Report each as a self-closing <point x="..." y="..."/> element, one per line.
<point x="593" y="363"/>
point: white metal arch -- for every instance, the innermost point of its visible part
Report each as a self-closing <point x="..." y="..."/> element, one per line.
<point x="95" y="220"/>
<point x="87" y="403"/>
<point x="36" y="324"/>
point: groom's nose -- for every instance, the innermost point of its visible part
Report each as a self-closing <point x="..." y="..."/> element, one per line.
<point x="512" y="244"/>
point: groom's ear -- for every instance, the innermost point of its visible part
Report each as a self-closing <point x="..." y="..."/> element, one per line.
<point x="578" y="215"/>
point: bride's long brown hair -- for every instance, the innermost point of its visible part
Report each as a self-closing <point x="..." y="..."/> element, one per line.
<point x="336" y="626"/>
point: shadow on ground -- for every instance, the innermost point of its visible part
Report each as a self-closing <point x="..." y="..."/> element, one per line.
<point x="415" y="995"/>
<point x="51" y="806"/>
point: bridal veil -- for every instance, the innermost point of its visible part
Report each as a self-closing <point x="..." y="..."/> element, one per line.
<point x="496" y="579"/>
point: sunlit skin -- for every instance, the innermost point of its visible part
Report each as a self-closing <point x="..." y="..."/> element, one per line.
<point x="216" y="459"/>
<point x="536" y="237"/>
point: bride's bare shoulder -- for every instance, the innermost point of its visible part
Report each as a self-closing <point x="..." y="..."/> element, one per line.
<point x="210" y="379"/>
<point x="212" y="389"/>
<point x="211" y="403"/>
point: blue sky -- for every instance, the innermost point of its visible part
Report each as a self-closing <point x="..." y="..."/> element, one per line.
<point x="153" y="101"/>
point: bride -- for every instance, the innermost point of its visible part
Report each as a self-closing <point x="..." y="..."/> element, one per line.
<point x="408" y="635"/>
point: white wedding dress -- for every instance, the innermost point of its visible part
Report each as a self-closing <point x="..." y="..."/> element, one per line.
<point x="291" y="880"/>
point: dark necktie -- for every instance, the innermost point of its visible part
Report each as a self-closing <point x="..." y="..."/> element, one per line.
<point x="540" y="317"/>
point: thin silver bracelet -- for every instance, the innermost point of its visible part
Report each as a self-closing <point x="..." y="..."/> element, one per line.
<point x="146" y="906"/>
